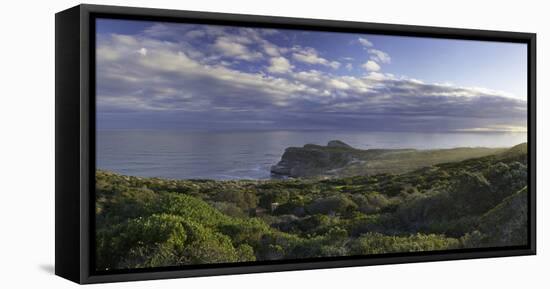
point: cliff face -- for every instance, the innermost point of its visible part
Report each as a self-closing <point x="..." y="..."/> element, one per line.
<point x="334" y="159"/>
<point x="312" y="160"/>
<point x="338" y="159"/>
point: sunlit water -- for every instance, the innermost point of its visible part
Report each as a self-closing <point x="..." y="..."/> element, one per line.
<point x="249" y="155"/>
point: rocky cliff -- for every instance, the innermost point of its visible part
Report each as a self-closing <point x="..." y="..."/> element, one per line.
<point x="338" y="159"/>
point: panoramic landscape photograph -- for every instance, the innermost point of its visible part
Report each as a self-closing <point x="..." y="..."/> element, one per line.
<point x="227" y="144"/>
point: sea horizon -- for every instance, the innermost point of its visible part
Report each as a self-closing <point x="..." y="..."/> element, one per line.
<point x="237" y="155"/>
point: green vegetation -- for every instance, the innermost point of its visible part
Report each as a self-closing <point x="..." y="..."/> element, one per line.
<point x="151" y="222"/>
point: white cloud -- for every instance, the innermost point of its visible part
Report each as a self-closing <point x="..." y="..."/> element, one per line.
<point x="125" y="39"/>
<point x="128" y="45"/>
<point x="379" y="56"/>
<point x="168" y="60"/>
<point x="143" y="51"/>
<point x="334" y="64"/>
<point x="365" y="42"/>
<point x="310" y="56"/>
<point x="371" y="66"/>
<point x="311" y="76"/>
<point x="349" y="66"/>
<point x="374" y="54"/>
<point x="234" y="47"/>
<point x="376" y="76"/>
<point x="107" y="53"/>
<point x="279" y="65"/>
<point x="338" y="84"/>
<point x="417" y="81"/>
<point x="271" y="50"/>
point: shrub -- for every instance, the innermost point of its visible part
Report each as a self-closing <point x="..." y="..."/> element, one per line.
<point x="338" y="204"/>
<point x="375" y="243"/>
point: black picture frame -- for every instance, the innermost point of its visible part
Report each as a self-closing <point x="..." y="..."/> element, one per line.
<point x="75" y="142"/>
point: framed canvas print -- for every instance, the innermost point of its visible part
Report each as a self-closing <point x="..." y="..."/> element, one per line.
<point x="193" y="144"/>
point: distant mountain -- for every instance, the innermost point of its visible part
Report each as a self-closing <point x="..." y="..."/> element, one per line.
<point x="338" y="159"/>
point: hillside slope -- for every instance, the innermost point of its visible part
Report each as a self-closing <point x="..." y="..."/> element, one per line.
<point x="144" y="222"/>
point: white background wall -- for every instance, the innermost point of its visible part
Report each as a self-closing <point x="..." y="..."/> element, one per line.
<point x="27" y="144"/>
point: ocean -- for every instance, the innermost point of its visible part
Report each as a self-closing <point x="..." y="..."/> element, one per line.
<point x="250" y="154"/>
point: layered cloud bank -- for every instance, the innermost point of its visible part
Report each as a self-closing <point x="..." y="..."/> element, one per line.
<point x="212" y="77"/>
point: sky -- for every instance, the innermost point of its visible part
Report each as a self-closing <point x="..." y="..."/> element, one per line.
<point x="153" y="75"/>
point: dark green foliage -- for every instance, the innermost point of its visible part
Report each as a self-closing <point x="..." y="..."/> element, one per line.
<point x="152" y="222"/>
<point x="375" y="243"/>
<point x="504" y="225"/>
<point x="164" y="240"/>
<point x="242" y="198"/>
<point x="229" y="209"/>
<point x="336" y="204"/>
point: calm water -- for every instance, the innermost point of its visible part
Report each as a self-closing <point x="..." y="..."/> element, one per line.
<point x="249" y="155"/>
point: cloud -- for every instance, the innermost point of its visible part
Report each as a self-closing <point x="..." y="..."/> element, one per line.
<point x="195" y="34"/>
<point x="279" y="65"/>
<point x="371" y="66"/>
<point x="310" y="56"/>
<point x="271" y="50"/>
<point x="379" y="56"/>
<point x="334" y="64"/>
<point x="376" y="55"/>
<point x="234" y="47"/>
<point x="495" y="128"/>
<point x="349" y="66"/>
<point x="311" y="77"/>
<point x="145" y="80"/>
<point x="143" y="51"/>
<point x="128" y="83"/>
<point x="338" y="84"/>
<point x="365" y="42"/>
